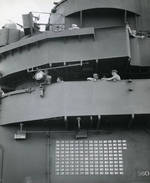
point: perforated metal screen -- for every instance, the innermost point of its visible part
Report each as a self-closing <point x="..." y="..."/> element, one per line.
<point x="90" y="157"/>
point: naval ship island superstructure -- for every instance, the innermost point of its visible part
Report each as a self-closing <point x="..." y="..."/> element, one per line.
<point x="55" y="125"/>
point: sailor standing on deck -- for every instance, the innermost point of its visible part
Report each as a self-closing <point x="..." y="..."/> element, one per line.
<point x="94" y="78"/>
<point x="115" y="76"/>
<point x="48" y="78"/>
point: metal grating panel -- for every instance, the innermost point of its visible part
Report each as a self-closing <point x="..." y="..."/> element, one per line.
<point x="90" y="157"/>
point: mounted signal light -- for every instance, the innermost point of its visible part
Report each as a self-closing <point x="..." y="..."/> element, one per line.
<point x="39" y="75"/>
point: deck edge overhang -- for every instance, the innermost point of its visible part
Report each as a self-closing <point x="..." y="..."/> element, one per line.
<point x="73" y="99"/>
<point x="45" y="36"/>
<point x="69" y="7"/>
